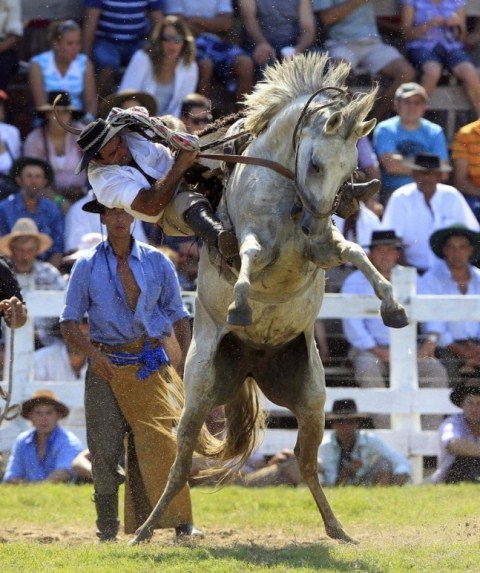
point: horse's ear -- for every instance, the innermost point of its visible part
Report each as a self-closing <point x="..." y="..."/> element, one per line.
<point x="333" y="123"/>
<point x="365" y="128"/>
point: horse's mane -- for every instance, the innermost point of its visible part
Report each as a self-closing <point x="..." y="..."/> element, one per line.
<point x="299" y="76"/>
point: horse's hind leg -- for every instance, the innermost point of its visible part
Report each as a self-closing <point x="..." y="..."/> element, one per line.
<point x="240" y="312"/>
<point x="188" y="431"/>
<point x="310" y="434"/>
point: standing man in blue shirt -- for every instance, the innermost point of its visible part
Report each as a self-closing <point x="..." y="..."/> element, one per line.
<point x="139" y="335"/>
<point x="46" y="452"/>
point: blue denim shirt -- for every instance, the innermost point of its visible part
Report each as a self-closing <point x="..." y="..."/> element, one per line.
<point x="96" y="288"/>
<point x="61" y="449"/>
<point x="48" y="217"/>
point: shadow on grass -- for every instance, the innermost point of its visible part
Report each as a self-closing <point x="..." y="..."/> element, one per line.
<point x="291" y="557"/>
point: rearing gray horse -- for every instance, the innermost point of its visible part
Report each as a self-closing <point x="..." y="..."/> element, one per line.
<point x="255" y="330"/>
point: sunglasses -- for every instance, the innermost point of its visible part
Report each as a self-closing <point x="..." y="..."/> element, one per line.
<point x="178" y="39"/>
<point x="200" y="120"/>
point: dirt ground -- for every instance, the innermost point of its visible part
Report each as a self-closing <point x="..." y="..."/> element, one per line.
<point x="413" y="535"/>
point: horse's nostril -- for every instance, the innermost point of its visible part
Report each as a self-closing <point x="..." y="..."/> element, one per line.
<point x="305" y="230"/>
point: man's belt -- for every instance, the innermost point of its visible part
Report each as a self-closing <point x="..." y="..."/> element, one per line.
<point x="150" y="358"/>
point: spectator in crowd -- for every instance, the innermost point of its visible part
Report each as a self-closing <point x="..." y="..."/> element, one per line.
<point x="82" y="466"/>
<point x="352" y="35"/>
<point x="456" y="343"/>
<point x="210" y="22"/>
<point x="132" y="297"/>
<point x="59" y="149"/>
<point x="259" y="471"/>
<point x="418" y="208"/>
<point x="33" y="175"/>
<point x="10" y="150"/>
<point x="369" y="337"/>
<point x="87" y="242"/>
<point x="79" y="223"/>
<point x="277" y="29"/>
<point x="130" y="172"/>
<point x="165" y="68"/>
<point x="196" y="112"/>
<point x="37" y="16"/>
<point x="352" y="456"/>
<point x="11" y="30"/>
<point x="45" y="452"/>
<point x="60" y="361"/>
<point x="403" y="136"/>
<point x="472" y="39"/>
<point x="466" y="164"/>
<point x="23" y="245"/>
<point x="113" y="32"/>
<point x="460" y="437"/>
<point x="188" y="256"/>
<point x="64" y="69"/>
<point x="126" y="99"/>
<point x="434" y="33"/>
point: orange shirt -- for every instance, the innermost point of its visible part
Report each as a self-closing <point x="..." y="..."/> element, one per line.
<point x="466" y="145"/>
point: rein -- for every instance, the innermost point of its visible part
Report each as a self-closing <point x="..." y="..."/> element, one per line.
<point x="8" y="412"/>
<point x="274" y="165"/>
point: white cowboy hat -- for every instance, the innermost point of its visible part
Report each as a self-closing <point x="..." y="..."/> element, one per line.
<point x="25" y="227"/>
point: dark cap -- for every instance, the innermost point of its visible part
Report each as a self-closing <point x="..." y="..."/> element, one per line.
<point x="463" y="389"/>
<point x="440" y="237"/>
<point x="427" y="162"/>
<point x="387" y="237"/>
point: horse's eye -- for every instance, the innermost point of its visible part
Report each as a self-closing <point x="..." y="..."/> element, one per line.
<point x="315" y="167"/>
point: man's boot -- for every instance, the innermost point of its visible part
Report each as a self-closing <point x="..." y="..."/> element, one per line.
<point x="201" y="219"/>
<point x="107" y="516"/>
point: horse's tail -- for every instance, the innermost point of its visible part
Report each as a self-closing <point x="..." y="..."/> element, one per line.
<point x="244" y="422"/>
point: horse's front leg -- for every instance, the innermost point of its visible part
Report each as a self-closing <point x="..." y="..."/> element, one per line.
<point x="392" y="312"/>
<point x="187" y="435"/>
<point x="240" y="312"/>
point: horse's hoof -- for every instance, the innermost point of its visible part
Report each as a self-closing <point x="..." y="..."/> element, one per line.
<point x="395" y="318"/>
<point x="237" y="317"/>
<point x="341" y="535"/>
<point x="143" y="534"/>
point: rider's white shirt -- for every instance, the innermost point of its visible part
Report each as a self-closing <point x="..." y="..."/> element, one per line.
<point x="116" y="186"/>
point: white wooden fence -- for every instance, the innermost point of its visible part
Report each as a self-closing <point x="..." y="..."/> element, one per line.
<point x="403" y="400"/>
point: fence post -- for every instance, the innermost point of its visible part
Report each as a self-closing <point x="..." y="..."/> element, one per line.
<point x="403" y="358"/>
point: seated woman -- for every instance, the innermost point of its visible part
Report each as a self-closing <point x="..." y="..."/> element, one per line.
<point x="166" y="67"/>
<point x="435" y="33"/>
<point x="64" y="68"/>
<point x="59" y="148"/>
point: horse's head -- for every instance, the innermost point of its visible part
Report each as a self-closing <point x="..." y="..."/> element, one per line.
<point x="326" y="154"/>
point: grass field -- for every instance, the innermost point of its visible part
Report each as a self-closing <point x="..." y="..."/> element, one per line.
<point x="413" y="529"/>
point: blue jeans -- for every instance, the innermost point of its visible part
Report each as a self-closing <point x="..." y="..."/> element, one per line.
<point x="114" y="55"/>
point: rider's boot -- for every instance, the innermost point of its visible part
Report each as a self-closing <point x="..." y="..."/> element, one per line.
<point x="107" y="516"/>
<point x="201" y="219"/>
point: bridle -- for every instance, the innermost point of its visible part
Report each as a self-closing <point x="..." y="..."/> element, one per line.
<point x="304" y="117"/>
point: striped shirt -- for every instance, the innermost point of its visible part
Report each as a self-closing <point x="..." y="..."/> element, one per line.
<point x="124" y="20"/>
<point x="466" y="145"/>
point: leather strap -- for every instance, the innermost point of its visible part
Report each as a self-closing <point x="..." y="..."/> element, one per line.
<point x="228" y="158"/>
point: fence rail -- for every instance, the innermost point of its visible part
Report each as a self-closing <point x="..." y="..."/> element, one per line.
<point x="404" y="401"/>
